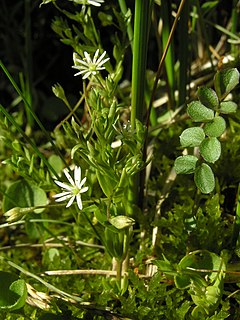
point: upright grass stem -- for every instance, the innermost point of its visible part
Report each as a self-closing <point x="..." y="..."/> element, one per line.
<point x="140" y="47"/>
<point x="142" y="22"/>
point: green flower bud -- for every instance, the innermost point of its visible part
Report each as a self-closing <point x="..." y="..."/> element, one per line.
<point x="17" y="213"/>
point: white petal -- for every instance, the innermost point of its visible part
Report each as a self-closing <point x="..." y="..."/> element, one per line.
<point x="64" y="198"/>
<point x="70" y="202"/>
<point x="63" y="185"/>
<point x="82" y="62"/>
<point x="79" y="202"/>
<point x="62" y="194"/>
<point x="80" y="67"/>
<point x="70" y="179"/>
<point x="77" y="74"/>
<point x="87" y="75"/>
<point x="82" y="182"/>
<point x="94" y="3"/>
<point x="77" y="176"/>
<point x="95" y="56"/>
<point x="101" y="57"/>
<point x="87" y="56"/>
<point x="100" y="63"/>
<point x="84" y="190"/>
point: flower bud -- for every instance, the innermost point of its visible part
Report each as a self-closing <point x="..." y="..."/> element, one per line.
<point x="17" y="213"/>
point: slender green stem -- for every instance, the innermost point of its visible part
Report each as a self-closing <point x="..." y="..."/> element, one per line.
<point x="28" y="66"/>
<point x="180" y="8"/>
<point x="45" y="283"/>
<point x="183" y="54"/>
<point x="31" y="111"/>
<point x="31" y="143"/>
<point x="123" y="7"/>
<point x="166" y="8"/>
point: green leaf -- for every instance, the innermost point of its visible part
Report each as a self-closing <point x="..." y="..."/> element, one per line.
<point x="107" y="185"/>
<point x="56" y="162"/>
<point x="121" y="222"/>
<point x="185" y="164"/>
<point x="210" y="149"/>
<point x="13" y="291"/>
<point x="228" y="107"/>
<point x="204" y="178"/>
<point x="208" y="97"/>
<point x="225" y="81"/>
<point x="182" y="281"/>
<point x="199" y="113"/>
<point x="192" y="137"/>
<point x="216" y="127"/>
<point x="24" y="195"/>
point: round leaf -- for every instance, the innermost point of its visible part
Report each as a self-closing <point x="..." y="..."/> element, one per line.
<point x="199" y="113"/>
<point x="185" y="164"/>
<point x="208" y="97"/>
<point x="216" y="127"/>
<point x="192" y="137"/>
<point x="13" y="291"/>
<point x="204" y="178"/>
<point x="228" y="107"/>
<point x="210" y="149"/>
<point x="22" y="194"/>
<point x="225" y="81"/>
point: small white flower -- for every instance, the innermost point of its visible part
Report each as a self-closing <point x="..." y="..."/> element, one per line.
<point x="96" y="3"/>
<point x="74" y="188"/>
<point x="89" y="66"/>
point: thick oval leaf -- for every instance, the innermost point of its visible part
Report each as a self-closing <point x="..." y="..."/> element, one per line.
<point x="199" y="113"/>
<point x="204" y="178"/>
<point x="228" y="107"/>
<point x="22" y="194"/>
<point x="185" y="164"/>
<point x="210" y="149"/>
<point x="208" y="97"/>
<point x="225" y="81"/>
<point x="192" y="137"/>
<point x="13" y="291"/>
<point x="216" y="127"/>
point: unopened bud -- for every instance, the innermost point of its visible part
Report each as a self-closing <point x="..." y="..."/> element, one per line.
<point x="17" y="213"/>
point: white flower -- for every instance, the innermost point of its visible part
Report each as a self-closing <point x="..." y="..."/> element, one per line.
<point x="89" y="66"/>
<point x="96" y="3"/>
<point x="74" y="188"/>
